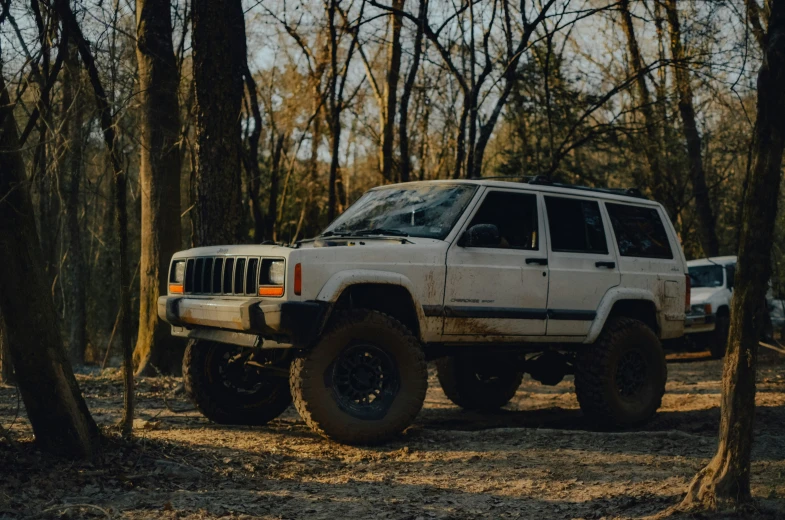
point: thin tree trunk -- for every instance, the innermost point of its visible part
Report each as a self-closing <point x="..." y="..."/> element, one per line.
<point x="6" y="367"/>
<point x="219" y="58"/>
<point x="74" y="279"/>
<point x="725" y="482"/>
<point x="706" y="221"/>
<point x="159" y="174"/>
<point x="110" y="138"/>
<point x="391" y="92"/>
<point x="311" y="222"/>
<point x="252" y="160"/>
<point x="61" y="422"/>
<point x="275" y="176"/>
<point x="403" y="129"/>
<point x="651" y="146"/>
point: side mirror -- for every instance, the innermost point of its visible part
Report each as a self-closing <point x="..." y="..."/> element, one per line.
<point x="480" y="235"/>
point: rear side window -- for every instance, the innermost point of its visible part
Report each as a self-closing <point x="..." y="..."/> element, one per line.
<point x="639" y="231"/>
<point x="514" y="214"/>
<point x="576" y="226"/>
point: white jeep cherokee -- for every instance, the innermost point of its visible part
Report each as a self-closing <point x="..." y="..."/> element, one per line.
<point x="491" y="279"/>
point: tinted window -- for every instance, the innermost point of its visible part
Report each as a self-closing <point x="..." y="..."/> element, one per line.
<point x="639" y="231"/>
<point x="575" y="226"/>
<point x="515" y="214"/>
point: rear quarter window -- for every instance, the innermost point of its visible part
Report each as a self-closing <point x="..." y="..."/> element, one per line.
<point x="639" y="231"/>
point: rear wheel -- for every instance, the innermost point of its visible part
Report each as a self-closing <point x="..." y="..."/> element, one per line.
<point x="479" y="383"/>
<point x="620" y="379"/>
<point x="364" y="381"/>
<point x="235" y="385"/>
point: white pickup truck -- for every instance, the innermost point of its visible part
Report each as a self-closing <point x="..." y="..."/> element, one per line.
<point x="708" y="317"/>
<point x="491" y="279"/>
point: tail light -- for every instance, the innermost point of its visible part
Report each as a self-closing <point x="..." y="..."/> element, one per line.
<point x="687" y="294"/>
<point x="298" y="279"/>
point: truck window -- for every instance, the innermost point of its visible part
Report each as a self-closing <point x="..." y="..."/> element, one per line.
<point x="639" y="231"/>
<point x="514" y="214"/>
<point x="575" y="226"/>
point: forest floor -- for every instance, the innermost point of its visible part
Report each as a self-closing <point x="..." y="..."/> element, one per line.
<point x="535" y="459"/>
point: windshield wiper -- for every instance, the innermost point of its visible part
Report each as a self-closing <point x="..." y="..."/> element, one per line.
<point x="365" y="233"/>
<point x="380" y="231"/>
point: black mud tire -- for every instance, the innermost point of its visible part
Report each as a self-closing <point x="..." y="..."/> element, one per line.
<point x="620" y="379"/>
<point x="717" y="340"/>
<point x="327" y="384"/>
<point x="478" y="384"/>
<point x="253" y="399"/>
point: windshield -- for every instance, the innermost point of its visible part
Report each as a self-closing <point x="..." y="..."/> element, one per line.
<point x="424" y="210"/>
<point x="706" y="276"/>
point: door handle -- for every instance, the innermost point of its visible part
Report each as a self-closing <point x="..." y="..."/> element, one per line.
<point x="609" y="265"/>
<point x="538" y="261"/>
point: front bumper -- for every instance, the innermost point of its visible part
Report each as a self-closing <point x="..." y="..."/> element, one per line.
<point x="245" y="322"/>
<point x="696" y="323"/>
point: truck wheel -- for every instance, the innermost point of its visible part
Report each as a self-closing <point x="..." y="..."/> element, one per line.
<point x="363" y="382"/>
<point x="235" y="385"/>
<point x="718" y="338"/>
<point x="620" y="379"/>
<point x="477" y="384"/>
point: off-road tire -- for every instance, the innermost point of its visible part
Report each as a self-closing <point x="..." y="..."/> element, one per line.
<point x="319" y="399"/>
<point x="478" y="384"/>
<point x="717" y="340"/>
<point x="597" y="370"/>
<point x="221" y="403"/>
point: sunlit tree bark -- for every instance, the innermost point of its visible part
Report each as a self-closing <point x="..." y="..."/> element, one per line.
<point x="725" y="482"/>
<point x="159" y="173"/>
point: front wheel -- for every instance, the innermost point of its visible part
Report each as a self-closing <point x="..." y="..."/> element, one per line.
<point x="235" y="385"/>
<point x="620" y="379"/>
<point x="363" y="382"/>
<point x="479" y="383"/>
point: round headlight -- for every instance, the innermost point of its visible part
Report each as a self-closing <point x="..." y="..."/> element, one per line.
<point x="276" y="274"/>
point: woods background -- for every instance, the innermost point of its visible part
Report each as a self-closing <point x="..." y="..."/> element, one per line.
<point x="329" y="98"/>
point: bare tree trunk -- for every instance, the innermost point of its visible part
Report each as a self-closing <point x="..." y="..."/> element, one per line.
<point x="333" y="102"/>
<point x="61" y="422"/>
<point x="403" y="129"/>
<point x="391" y="92"/>
<point x="651" y="146"/>
<point x="159" y="174"/>
<point x="71" y="25"/>
<point x="6" y="367"/>
<point x="707" y="223"/>
<point x="74" y="279"/>
<point x="275" y="175"/>
<point x="725" y="482"/>
<point x="252" y="159"/>
<point x="219" y="58"/>
<point x="312" y="219"/>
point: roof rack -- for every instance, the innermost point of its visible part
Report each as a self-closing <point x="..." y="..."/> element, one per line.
<point x="544" y="180"/>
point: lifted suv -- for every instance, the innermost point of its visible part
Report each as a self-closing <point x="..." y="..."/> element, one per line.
<point x="491" y="279"/>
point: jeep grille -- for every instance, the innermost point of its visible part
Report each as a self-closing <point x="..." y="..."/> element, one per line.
<point x="222" y="275"/>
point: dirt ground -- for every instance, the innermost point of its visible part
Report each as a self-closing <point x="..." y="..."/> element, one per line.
<point x="536" y="459"/>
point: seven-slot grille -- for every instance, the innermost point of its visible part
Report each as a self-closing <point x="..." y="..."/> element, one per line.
<point x="237" y="275"/>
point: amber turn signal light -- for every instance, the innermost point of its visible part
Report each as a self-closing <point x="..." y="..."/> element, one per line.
<point x="298" y="279"/>
<point x="175" y="288"/>
<point x="271" y="291"/>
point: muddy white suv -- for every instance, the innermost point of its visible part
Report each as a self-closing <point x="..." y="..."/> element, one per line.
<point x="491" y="279"/>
